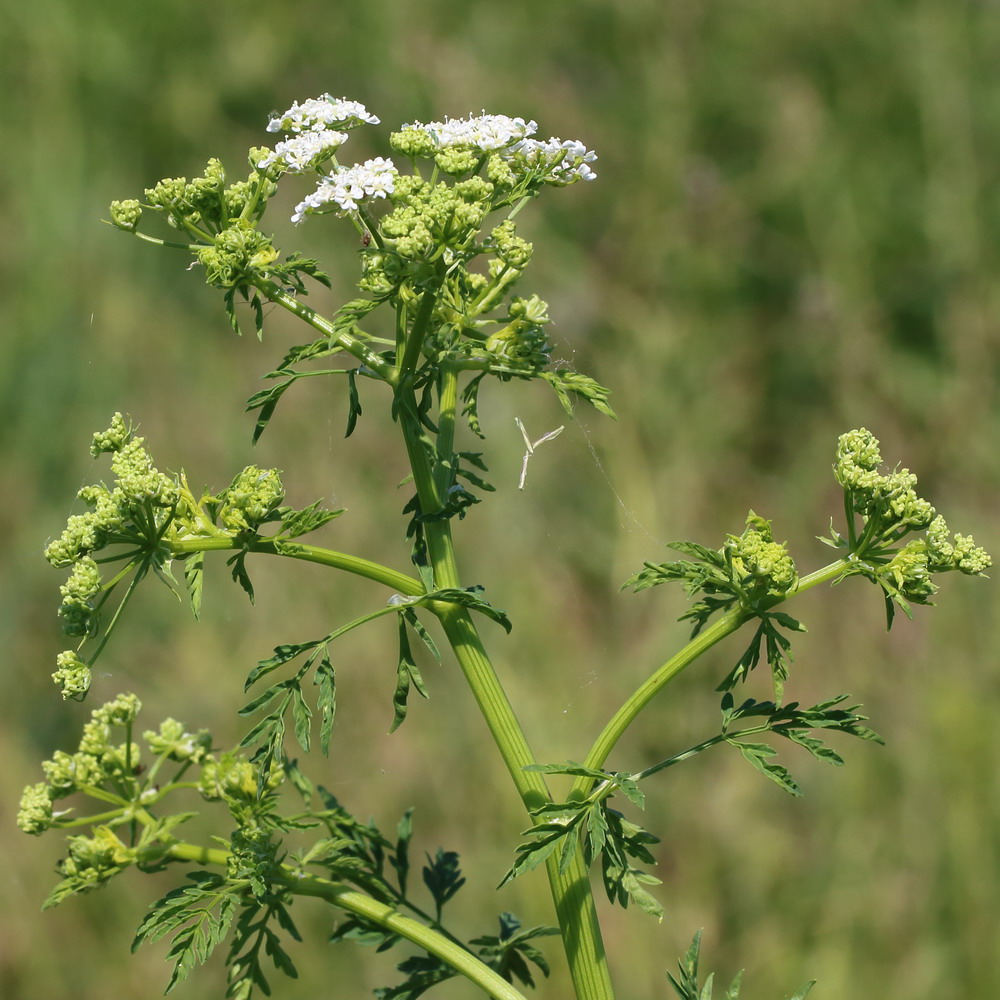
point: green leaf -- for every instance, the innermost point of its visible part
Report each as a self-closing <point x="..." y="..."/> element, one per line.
<point x="475" y="458"/>
<point x="326" y="701"/>
<point x="629" y="882"/>
<point x="266" y="697"/>
<point x="468" y="598"/>
<point x="700" y="553"/>
<point x="194" y="565"/>
<point x="411" y="619"/>
<point x="250" y="935"/>
<point x="198" y="916"/>
<point x="407" y="674"/>
<point x="803" y="991"/>
<point x="282" y="655"/>
<point x="545" y="838"/>
<point x="354" y="403"/>
<point x="422" y="972"/>
<point x="470" y="407"/>
<point x="597" y="832"/>
<point x="570" y="767"/>
<point x="266" y="400"/>
<point x="509" y="952"/>
<point x="442" y="876"/>
<point x="733" y="993"/>
<point x="267" y="728"/>
<point x="565" y="382"/>
<point x="631" y="790"/>
<point x="706" y="575"/>
<point x="400" y="859"/>
<point x="229" y="299"/>
<point x="773" y="645"/>
<point x="302" y="716"/>
<point x="787" y="621"/>
<point x="756" y="754"/>
<point x="814" y="745"/>
<point x="240" y="575"/>
<point x="295" y="523"/>
<point x="687" y="987"/>
<point x="258" y="315"/>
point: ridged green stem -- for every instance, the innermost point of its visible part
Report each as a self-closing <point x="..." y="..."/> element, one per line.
<point x="346" y="340"/>
<point x="571" y="891"/>
<point x="400" y="582"/>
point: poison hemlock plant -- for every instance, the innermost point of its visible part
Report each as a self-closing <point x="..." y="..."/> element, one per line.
<point x="440" y="258"/>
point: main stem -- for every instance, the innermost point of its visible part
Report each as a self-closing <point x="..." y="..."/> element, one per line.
<point x="571" y="892"/>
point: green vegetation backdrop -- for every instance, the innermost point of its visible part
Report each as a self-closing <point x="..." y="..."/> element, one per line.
<point x="795" y="231"/>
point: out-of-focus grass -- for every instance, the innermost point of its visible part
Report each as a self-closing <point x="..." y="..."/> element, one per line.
<point x="795" y="231"/>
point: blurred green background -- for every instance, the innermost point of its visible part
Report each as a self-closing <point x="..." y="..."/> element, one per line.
<point x="795" y="231"/>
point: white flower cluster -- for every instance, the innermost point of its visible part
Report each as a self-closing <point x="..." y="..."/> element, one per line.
<point x="348" y="185"/>
<point x="319" y="113"/>
<point x="484" y="132"/>
<point x="567" y="159"/>
<point x="305" y="151"/>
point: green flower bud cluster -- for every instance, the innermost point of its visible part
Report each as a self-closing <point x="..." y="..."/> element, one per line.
<point x="112" y="773"/>
<point x="97" y="761"/>
<point x="237" y="252"/>
<point x="118" y="434"/>
<point x="93" y="860"/>
<point x="198" y="202"/>
<point x="78" y="592"/>
<point x="73" y="675"/>
<point x="205" y="205"/>
<point x="139" y="481"/>
<point x="760" y="566"/>
<point x="427" y="217"/>
<point x="510" y="248"/>
<point x="961" y="553"/>
<point x="381" y="273"/>
<point x="126" y="214"/>
<point x="255" y="154"/>
<point x="522" y="343"/>
<point x="253" y="495"/>
<point x="239" y="194"/>
<point x="413" y="142"/>
<point x="86" y="533"/>
<point x="500" y="172"/>
<point x="891" y="499"/>
<point x="911" y="567"/>
<point x="253" y="858"/>
<point x="457" y="161"/>
<point x="34" y="814"/>
<point x="67" y="773"/>
<point x="121" y="711"/>
<point x="140" y="500"/>
<point x="174" y="742"/>
<point x="233" y="779"/>
<point x="910" y="574"/>
<point x="892" y="509"/>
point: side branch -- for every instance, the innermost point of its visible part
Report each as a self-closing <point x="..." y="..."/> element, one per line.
<point x="347" y="341"/>
<point x="408" y="586"/>
<point x="339" y="894"/>
<point x="708" y="637"/>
